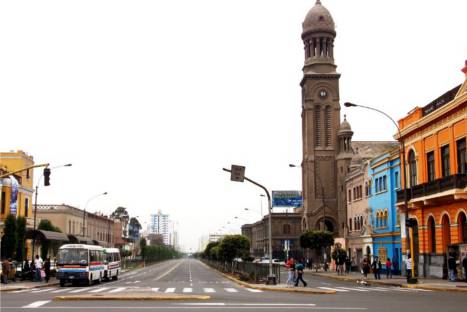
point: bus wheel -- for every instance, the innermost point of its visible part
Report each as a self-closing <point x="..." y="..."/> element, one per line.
<point x="115" y="277"/>
<point x="62" y="283"/>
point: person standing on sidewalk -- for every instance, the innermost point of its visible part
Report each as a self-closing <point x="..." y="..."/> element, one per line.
<point x="388" y="268"/>
<point x="38" y="265"/>
<point x="464" y="265"/>
<point x="299" y="267"/>
<point x="408" y="264"/>
<point x="365" y="267"/>
<point x="348" y="265"/>
<point x="5" y="270"/>
<point x="47" y="269"/>
<point x="376" y="267"/>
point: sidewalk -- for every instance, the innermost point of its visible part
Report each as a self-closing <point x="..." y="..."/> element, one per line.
<point x="397" y="280"/>
<point x="20" y="285"/>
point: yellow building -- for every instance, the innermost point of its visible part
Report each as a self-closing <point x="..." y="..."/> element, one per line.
<point x="10" y="162"/>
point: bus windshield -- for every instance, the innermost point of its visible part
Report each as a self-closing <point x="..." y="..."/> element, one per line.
<point x="72" y="256"/>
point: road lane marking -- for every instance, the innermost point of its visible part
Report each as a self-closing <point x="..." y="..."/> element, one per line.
<point x="420" y="289"/>
<point x="374" y="288"/>
<point x="99" y="290"/>
<point x="336" y="289"/>
<point x="20" y="291"/>
<point x="170" y="290"/>
<point x="187" y="290"/>
<point x="254" y="290"/>
<point x="209" y="290"/>
<point x="119" y="289"/>
<point x="168" y="272"/>
<point x="155" y="289"/>
<point x="231" y="290"/>
<point x="36" y="304"/>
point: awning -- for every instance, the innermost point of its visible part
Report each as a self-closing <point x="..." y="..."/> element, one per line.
<point x="75" y="239"/>
<point x="49" y="235"/>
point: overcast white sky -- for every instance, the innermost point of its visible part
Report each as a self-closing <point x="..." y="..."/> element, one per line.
<point x="150" y="99"/>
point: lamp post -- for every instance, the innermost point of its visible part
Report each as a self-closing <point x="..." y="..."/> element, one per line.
<point x="271" y="277"/>
<point x="409" y="239"/>
<point x="261" y="202"/>
<point x="35" y="200"/>
<point x="85" y="206"/>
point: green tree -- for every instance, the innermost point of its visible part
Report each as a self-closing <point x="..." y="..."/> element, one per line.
<point x="234" y="246"/>
<point x="10" y="238"/>
<point x="21" y="236"/>
<point x="338" y="252"/>
<point x="46" y="225"/>
<point x="207" y="250"/>
<point x="120" y="213"/>
<point x="316" y="240"/>
<point x="142" y="247"/>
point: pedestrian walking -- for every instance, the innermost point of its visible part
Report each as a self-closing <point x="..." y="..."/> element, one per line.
<point x="299" y="268"/>
<point x="290" y="272"/>
<point x="38" y="265"/>
<point x="376" y="266"/>
<point x="365" y="267"/>
<point x="310" y="262"/>
<point x="6" y="267"/>
<point x="47" y="269"/>
<point x="388" y="268"/>
<point x="452" y="267"/>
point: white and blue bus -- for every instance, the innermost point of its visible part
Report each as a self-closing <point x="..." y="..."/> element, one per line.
<point x="111" y="263"/>
<point x="80" y="263"/>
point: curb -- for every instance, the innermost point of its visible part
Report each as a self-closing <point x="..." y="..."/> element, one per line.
<point x="296" y="290"/>
<point x="35" y="286"/>
<point x="373" y="282"/>
<point x="145" y="297"/>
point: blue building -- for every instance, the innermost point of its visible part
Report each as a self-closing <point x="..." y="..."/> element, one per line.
<point x="384" y="171"/>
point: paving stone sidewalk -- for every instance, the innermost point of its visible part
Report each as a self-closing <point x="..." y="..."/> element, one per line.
<point x="397" y="280"/>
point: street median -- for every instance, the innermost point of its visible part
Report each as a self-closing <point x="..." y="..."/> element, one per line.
<point x="130" y="297"/>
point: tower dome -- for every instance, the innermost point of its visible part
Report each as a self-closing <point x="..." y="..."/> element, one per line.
<point x="318" y="19"/>
<point x="345" y="126"/>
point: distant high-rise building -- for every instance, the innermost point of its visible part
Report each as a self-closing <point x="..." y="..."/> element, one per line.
<point x="160" y="225"/>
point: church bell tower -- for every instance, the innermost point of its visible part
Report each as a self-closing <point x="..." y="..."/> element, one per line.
<point x="320" y="123"/>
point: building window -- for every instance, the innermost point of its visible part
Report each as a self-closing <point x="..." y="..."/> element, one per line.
<point x="431" y="235"/>
<point x="445" y="160"/>
<point x="384" y="183"/>
<point x="461" y="156"/>
<point x="350" y="224"/>
<point x="385" y="218"/>
<point x="366" y="189"/>
<point x="430" y="166"/>
<point x="317" y="126"/>
<point x="26" y="207"/>
<point x="462" y="227"/>
<point x="396" y="179"/>
<point x="69" y="226"/>
<point x="350" y="196"/>
<point x="412" y="168"/>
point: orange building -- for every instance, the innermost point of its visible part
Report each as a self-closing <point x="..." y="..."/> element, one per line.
<point x="435" y="167"/>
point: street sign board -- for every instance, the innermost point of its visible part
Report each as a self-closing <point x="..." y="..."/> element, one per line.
<point x="287" y="198"/>
<point x="237" y="173"/>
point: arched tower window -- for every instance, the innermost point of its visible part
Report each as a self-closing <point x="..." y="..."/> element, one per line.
<point x="327" y="121"/>
<point x="412" y="168"/>
<point x="317" y="126"/>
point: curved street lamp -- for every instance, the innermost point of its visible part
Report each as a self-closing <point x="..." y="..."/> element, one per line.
<point x="86" y="205"/>
<point x="402" y="151"/>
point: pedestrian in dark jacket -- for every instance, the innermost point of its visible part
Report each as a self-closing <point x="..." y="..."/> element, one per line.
<point x="299" y="268"/>
<point x="464" y="265"/>
<point x="47" y="269"/>
<point x="452" y="267"/>
<point x="375" y="268"/>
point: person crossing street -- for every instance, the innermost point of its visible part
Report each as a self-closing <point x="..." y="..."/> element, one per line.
<point x="299" y="268"/>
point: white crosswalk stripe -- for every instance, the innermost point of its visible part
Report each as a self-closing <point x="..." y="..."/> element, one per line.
<point x="209" y="290"/>
<point x="78" y="290"/>
<point x="20" y="291"/>
<point x="372" y="288"/>
<point x="60" y="290"/>
<point x="170" y="290"/>
<point x="99" y="290"/>
<point x="254" y="290"/>
<point x="117" y="290"/>
<point x="155" y="289"/>
<point x="232" y="290"/>
<point x="187" y="290"/>
<point x="35" y="291"/>
<point x="356" y="289"/>
<point x="336" y="289"/>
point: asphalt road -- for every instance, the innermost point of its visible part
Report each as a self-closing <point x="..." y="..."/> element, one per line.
<point x="189" y="276"/>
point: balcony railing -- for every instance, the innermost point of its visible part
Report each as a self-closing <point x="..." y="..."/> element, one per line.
<point x="434" y="187"/>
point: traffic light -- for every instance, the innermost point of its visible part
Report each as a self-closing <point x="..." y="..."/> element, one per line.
<point x="46" y="176"/>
